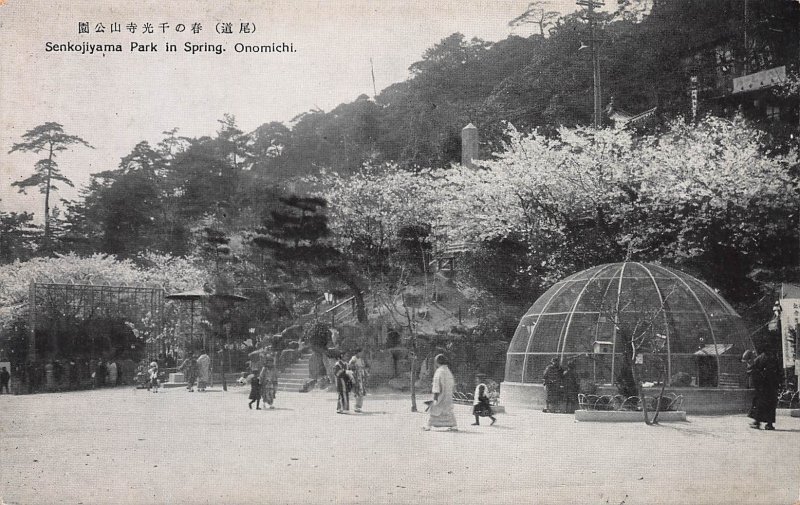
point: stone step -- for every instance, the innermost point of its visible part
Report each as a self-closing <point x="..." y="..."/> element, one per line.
<point x="295" y="371"/>
<point x="291" y="381"/>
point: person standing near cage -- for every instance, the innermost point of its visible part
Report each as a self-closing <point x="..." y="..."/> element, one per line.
<point x="552" y="384"/>
<point x="571" y="388"/>
<point x="766" y="376"/>
<point x="360" y="373"/>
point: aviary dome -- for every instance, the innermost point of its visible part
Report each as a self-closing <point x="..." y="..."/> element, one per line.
<point x="702" y="335"/>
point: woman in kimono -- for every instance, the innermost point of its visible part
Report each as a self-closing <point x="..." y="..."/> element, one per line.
<point x="343" y="384"/>
<point x="203" y="371"/>
<point x="268" y="384"/>
<point x="440" y="413"/>
<point x="359" y="369"/>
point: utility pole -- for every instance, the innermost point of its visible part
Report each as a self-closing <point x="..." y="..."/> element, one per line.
<point x="590" y="6"/>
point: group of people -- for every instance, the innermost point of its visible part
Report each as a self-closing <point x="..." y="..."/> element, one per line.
<point x="351" y="376"/>
<point x="263" y="387"/>
<point x="440" y="408"/>
<point x="196" y="370"/>
<point x="562" y="387"/>
<point x="72" y="373"/>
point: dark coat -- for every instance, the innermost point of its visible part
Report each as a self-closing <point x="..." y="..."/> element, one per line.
<point x="766" y="376"/>
<point x="552" y="375"/>
<point x="255" y="388"/>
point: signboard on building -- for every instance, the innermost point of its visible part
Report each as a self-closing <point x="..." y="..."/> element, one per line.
<point x="790" y="325"/>
<point x="759" y="80"/>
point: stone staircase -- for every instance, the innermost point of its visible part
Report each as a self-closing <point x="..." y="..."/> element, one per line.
<point x="295" y="375"/>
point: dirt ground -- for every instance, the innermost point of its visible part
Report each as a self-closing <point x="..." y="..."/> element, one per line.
<point x="125" y="446"/>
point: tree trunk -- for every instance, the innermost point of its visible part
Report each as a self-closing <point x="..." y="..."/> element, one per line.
<point x="47" y="197"/>
<point x="647" y="421"/>
<point x="358" y="297"/>
<point x="626" y="380"/>
<point x="413" y="386"/>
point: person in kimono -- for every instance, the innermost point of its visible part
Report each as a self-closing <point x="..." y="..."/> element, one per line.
<point x="343" y="383"/>
<point x="359" y="368"/>
<point x="268" y="384"/>
<point x="189" y="369"/>
<point x="440" y="413"/>
<point x="203" y="371"/>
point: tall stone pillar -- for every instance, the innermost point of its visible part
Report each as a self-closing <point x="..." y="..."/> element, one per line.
<point x="469" y="145"/>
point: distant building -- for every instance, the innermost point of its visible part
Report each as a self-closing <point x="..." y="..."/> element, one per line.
<point x="725" y="78"/>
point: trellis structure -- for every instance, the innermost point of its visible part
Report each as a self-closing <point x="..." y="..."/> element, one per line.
<point x="90" y="301"/>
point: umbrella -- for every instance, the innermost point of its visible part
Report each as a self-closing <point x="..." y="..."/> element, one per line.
<point x="199" y="294"/>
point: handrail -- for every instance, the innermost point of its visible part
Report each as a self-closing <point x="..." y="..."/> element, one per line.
<point x="348" y="300"/>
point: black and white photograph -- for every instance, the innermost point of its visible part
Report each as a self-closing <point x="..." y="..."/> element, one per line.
<point x="401" y="252"/>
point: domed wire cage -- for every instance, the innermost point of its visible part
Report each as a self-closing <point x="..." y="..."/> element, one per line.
<point x="685" y="333"/>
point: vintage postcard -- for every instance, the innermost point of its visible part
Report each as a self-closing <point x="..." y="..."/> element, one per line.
<point x="399" y="252"/>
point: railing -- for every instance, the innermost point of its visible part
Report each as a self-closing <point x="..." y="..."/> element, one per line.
<point x="788" y="399"/>
<point x="342" y="311"/>
<point x="669" y="401"/>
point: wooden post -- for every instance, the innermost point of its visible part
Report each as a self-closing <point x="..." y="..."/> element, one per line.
<point x="413" y="380"/>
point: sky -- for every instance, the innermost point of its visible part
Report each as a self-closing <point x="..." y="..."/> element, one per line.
<point x="117" y="99"/>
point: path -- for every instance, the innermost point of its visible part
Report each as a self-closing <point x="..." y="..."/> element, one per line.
<point x="130" y="447"/>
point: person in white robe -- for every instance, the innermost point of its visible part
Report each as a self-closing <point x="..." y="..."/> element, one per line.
<point x="203" y="371"/>
<point x="440" y="413"/>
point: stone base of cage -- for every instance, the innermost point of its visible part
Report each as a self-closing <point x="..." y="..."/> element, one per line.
<point x="696" y="401"/>
<point x="627" y="416"/>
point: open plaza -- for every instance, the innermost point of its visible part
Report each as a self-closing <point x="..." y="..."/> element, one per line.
<point x="400" y="252"/>
<point x="127" y="446"/>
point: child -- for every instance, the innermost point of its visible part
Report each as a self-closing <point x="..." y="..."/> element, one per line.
<point x="255" y="393"/>
<point x="153" y="374"/>
<point x="481" y="407"/>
